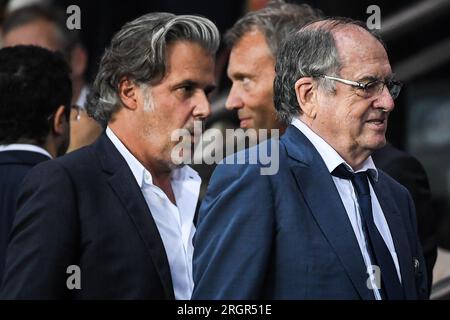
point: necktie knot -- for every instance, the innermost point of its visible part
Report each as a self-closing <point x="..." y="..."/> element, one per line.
<point x="359" y="179"/>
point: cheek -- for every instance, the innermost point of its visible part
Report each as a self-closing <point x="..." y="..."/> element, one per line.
<point x="258" y="93"/>
<point x="351" y="116"/>
<point x="179" y="116"/>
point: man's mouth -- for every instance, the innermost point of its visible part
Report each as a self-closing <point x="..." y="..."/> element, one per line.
<point x="245" y="122"/>
<point x="377" y="122"/>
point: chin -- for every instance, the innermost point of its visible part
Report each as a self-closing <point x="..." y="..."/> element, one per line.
<point x="378" y="144"/>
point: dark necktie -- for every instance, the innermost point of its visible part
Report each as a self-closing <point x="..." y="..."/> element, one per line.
<point x="378" y="250"/>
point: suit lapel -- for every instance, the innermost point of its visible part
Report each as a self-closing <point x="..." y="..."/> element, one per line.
<point x="319" y="191"/>
<point x="399" y="237"/>
<point x="127" y="190"/>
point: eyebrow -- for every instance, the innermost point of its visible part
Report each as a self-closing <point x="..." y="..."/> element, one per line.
<point x="367" y="79"/>
<point x="371" y="78"/>
<point x="191" y="83"/>
<point x="239" y="75"/>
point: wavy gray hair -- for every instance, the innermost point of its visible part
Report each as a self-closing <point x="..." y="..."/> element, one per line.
<point x="138" y="52"/>
<point x="309" y="52"/>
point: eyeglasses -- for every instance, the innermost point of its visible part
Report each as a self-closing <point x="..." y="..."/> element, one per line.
<point x="372" y="88"/>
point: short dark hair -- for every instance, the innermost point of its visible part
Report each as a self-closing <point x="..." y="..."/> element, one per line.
<point x="34" y="82"/>
<point x="275" y="22"/>
<point x="67" y="39"/>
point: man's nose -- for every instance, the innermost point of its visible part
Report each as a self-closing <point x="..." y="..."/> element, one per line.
<point x="202" y="109"/>
<point x="385" y="100"/>
<point x="234" y="100"/>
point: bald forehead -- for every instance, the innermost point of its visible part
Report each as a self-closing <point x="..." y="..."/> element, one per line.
<point x="352" y="41"/>
<point x="360" y="52"/>
<point x="349" y="34"/>
<point x="339" y="29"/>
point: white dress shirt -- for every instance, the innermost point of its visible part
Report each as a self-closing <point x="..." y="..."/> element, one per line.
<point x="174" y="222"/>
<point x="349" y="198"/>
<point x="24" y="147"/>
<point x="81" y="101"/>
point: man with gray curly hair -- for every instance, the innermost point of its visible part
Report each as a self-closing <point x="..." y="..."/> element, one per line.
<point x="114" y="220"/>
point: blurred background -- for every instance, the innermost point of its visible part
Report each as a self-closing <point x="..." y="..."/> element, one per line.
<point x="417" y="34"/>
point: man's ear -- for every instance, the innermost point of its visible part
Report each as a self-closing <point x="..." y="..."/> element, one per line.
<point x="60" y="121"/>
<point x="128" y="93"/>
<point x="306" y="93"/>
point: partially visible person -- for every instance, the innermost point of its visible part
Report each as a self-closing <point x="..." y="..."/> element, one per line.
<point x="45" y="26"/>
<point x="34" y="121"/>
<point x="254" y="40"/>
<point x="122" y="209"/>
<point x="410" y="173"/>
<point x="328" y="224"/>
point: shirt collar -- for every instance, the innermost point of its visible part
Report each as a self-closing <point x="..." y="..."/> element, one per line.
<point x="24" y="147"/>
<point x="330" y="156"/>
<point x="140" y="173"/>
<point x="81" y="101"/>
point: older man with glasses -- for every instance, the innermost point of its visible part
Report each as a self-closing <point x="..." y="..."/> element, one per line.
<point x="328" y="225"/>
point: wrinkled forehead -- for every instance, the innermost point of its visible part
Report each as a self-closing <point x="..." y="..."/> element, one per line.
<point x="359" y="49"/>
<point x="353" y="38"/>
<point x="350" y="39"/>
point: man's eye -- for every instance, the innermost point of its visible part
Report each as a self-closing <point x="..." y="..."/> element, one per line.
<point x="373" y="86"/>
<point x="185" y="90"/>
<point x="246" y="82"/>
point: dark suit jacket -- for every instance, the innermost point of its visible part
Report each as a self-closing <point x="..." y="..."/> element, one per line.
<point x="406" y="170"/>
<point x="14" y="165"/>
<point x="85" y="209"/>
<point x="287" y="236"/>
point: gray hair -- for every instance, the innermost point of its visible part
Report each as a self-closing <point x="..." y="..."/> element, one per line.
<point x="309" y="52"/>
<point x="138" y="51"/>
<point x="275" y="21"/>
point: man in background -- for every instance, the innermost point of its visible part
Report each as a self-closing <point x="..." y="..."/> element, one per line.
<point x="34" y="121"/>
<point x="45" y="26"/>
<point x="255" y="40"/>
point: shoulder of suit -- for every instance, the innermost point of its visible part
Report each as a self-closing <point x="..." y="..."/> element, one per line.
<point x="72" y="162"/>
<point x="253" y="158"/>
